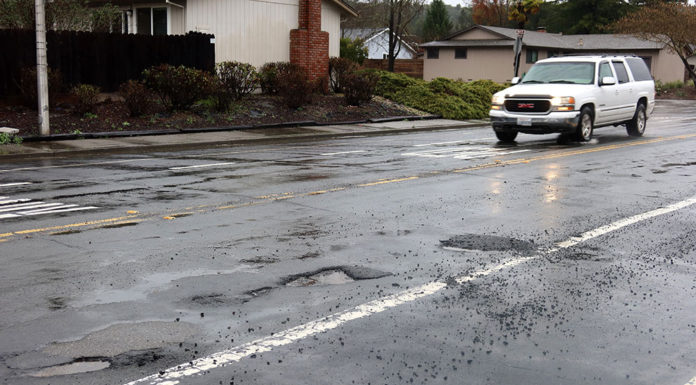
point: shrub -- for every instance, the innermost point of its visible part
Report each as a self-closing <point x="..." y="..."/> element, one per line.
<point x="389" y="83"/>
<point x="178" y="87"/>
<point x="338" y="68"/>
<point x="294" y="86"/>
<point x="453" y="99"/>
<point x="136" y="96"/>
<point x="353" y="49"/>
<point x="86" y="95"/>
<point x="268" y="76"/>
<point x="234" y="81"/>
<point x="28" y="88"/>
<point x="359" y="87"/>
<point x="6" y="138"/>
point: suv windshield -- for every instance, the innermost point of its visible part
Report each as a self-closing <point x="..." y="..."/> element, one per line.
<point x="561" y="72"/>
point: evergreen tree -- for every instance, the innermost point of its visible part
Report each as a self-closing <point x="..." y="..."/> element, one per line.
<point x="437" y="22"/>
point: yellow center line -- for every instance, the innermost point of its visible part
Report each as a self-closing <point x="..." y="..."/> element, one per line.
<point x="284" y="196"/>
<point x="63" y="227"/>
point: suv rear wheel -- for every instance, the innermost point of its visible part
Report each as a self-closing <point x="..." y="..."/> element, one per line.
<point x="506" y="136"/>
<point x="636" y="126"/>
<point x="585" y="126"/>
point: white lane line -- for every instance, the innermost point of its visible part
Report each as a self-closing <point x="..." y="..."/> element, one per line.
<point x="624" y="222"/>
<point x="343" y="152"/>
<point x="202" y="166"/>
<point x="173" y="375"/>
<point x="14" y="184"/>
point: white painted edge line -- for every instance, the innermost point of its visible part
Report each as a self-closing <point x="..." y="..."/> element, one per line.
<point x="202" y="165"/>
<point x="14" y="184"/>
<point x="173" y="375"/>
<point x="343" y="152"/>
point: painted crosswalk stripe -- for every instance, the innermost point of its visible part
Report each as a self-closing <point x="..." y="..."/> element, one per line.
<point x="201" y="166"/>
<point x="469" y="152"/>
<point x="24" y="207"/>
<point x="14" y="184"/>
<point x="343" y="152"/>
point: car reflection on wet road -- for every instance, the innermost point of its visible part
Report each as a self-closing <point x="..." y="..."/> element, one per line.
<point x="438" y="257"/>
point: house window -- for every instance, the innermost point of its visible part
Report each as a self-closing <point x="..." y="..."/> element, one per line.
<point x="151" y="21"/>
<point x="460" y="53"/>
<point x="124" y="22"/>
<point x="532" y="55"/>
<point x="433" y="53"/>
<point x="552" y="53"/>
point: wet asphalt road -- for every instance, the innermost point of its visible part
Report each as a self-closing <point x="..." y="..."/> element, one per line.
<point x="123" y="266"/>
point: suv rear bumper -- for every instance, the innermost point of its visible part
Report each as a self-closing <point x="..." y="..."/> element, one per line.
<point x="561" y="122"/>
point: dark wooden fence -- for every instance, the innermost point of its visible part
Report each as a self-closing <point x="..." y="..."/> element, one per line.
<point x="410" y="67"/>
<point x="102" y="59"/>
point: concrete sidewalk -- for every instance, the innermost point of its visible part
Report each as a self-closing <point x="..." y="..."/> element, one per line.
<point x="139" y="143"/>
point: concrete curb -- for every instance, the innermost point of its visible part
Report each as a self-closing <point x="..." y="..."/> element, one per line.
<point x="139" y="148"/>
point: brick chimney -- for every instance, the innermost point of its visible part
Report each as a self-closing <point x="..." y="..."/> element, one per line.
<point x="309" y="45"/>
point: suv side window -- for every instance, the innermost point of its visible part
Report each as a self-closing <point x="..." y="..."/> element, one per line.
<point x="639" y="69"/>
<point x="621" y="73"/>
<point x="604" y="70"/>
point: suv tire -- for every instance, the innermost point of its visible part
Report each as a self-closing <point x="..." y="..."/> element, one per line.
<point x="636" y="126"/>
<point x="585" y="125"/>
<point x="506" y="136"/>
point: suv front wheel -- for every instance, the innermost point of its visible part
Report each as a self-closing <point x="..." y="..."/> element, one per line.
<point x="585" y="126"/>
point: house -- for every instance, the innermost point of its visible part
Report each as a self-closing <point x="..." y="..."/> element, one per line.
<point x="376" y="40"/>
<point x="306" y="32"/>
<point x="483" y="52"/>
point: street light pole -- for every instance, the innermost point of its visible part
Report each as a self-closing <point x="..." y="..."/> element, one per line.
<point x="42" y="67"/>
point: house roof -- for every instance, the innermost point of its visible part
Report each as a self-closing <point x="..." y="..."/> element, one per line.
<point x="368" y="34"/>
<point x="547" y="40"/>
<point x="346" y="7"/>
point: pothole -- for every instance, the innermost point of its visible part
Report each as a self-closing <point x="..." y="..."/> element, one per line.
<point x="334" y="276"/>
<point x="251" y="294"/>
<point x="72" y="368"/>
<point x="209" y="299"/>
<point x="470" y="242"/>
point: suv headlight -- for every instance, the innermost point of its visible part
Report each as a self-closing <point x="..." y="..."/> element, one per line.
<point x="563" y="103"/>
<point x="497" y="101"/>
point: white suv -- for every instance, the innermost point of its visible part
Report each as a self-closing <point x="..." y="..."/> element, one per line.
<point x="572" y="95"/>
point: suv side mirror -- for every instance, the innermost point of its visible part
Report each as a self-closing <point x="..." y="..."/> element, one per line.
<point x="515" y="80"/>
<point x="607" y="81"/>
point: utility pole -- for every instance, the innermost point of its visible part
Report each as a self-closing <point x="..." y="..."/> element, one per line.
<point x="42" y="67"/>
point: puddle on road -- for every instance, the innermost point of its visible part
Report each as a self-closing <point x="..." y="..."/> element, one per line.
<point x="470" y="242"/>
<point x="334" y="276"/>
<point x="329" y="277"/>
<point x="72" y="368"/>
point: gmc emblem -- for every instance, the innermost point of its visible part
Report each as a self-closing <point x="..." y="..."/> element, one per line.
<point x="525" y="105"/>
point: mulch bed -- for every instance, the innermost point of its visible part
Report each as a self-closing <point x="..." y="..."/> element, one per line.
<point x="678" y="93"/>
<point x="112" y="115"/>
